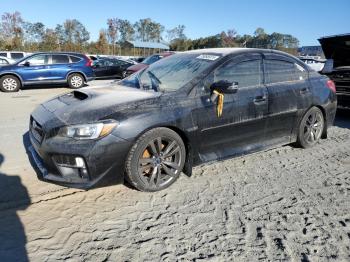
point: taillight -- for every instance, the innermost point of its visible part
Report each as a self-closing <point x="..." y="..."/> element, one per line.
<point x="331" y="86"/>
<point x="89" y="61"/>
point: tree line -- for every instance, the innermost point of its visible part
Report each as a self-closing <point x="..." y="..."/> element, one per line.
<point x="72" y="35"/>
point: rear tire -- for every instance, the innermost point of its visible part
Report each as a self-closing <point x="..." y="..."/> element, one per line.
<point x="75" y="81"/>
<point x="311" y="128"/>
<point x="9" y="83"/>
<point x="156" y="160"/>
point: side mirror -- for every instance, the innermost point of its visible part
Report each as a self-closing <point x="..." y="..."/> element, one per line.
<point x="26" y="63"/>
<point x="224" y="87"/>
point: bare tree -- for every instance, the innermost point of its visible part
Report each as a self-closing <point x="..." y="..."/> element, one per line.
<point x="112" y="31"/>
<point x="12" y="29"/>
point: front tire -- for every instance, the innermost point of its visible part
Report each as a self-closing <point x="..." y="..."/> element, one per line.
<point x="156" y="160"/>
<point x="311" y="128"/>
<point x="9" y="83"/>
<point x="75" y="81"/>
<point x="124" y="74"/>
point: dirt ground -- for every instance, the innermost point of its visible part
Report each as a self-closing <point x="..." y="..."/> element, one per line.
<point x="284" y="204"/>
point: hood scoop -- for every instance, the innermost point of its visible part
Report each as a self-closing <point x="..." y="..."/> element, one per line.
<point x="80" y="95"/>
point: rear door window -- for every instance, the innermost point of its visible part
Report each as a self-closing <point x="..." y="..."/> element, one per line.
<point x="60" y="59"/>
<point x="278" y="71"/>
<point x="17" y="56"/>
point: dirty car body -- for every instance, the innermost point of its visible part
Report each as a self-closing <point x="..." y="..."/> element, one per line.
<point x="262" y="112"/>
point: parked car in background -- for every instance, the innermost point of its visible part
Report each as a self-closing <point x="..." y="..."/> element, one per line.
<point x="337" y="52"/>
<point x="148" y="61"/>
<point x="314" y="63"/>
<point x="46" y="68"/>
<point x="190" y="108"/>
<point x="15" y="55"/>
<point x="110" y="68"/>
<point x="6" y="61"/>
<point x="138" y="59"/>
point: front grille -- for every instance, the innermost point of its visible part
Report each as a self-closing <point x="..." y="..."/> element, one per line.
<point x="36" y="130"/>
<point x="342" y="86"/>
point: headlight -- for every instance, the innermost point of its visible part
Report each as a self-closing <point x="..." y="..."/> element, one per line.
<point x="88" y="131"/>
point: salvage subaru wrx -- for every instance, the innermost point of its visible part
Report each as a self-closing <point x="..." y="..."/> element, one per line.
<point x="186" y="109"/>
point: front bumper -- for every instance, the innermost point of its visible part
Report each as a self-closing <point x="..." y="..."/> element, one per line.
<point x="104" y="160"/>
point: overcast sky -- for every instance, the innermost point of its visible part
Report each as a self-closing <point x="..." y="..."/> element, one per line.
<point x="307" y="20"/>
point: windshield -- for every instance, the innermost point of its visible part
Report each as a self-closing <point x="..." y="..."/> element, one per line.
<point x="171" y="73"/>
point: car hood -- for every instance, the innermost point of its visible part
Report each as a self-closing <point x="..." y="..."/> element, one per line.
<point x="337" y="48"/>
<point x="6" y="67"/>
<point x="90" y="105"/>
<point x="137" y="67"/>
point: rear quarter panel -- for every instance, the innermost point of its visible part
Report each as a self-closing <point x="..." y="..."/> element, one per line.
<point x="323" y="96"/>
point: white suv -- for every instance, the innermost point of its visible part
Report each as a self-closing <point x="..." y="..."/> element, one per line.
<point x="15" y="55"/>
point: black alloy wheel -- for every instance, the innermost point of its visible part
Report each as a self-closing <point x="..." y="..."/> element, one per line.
<point x="156" y="160"/>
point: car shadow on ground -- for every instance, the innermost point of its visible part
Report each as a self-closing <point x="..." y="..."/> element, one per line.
<point x="342" y="118"/>
<point x="13" y="197"/>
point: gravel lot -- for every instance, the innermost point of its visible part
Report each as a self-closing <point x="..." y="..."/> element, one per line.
<point x="283" y="204"/>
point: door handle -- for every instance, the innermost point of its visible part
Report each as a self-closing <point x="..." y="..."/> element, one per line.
<point x="259" y="99"/>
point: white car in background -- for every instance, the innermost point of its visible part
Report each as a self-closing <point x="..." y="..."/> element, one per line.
<point x="314" y="63"/>
<point x="15" y="55"/>
<point x="6" y="61"/>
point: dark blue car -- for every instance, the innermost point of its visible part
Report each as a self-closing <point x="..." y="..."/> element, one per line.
<point x="47" y="68"/>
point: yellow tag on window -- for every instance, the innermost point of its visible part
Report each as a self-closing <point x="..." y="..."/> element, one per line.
<point x="220" y="104"/>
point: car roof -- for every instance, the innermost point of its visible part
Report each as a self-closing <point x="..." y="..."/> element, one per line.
<point x="237" y="50"/>
<point x="59" y="53"/>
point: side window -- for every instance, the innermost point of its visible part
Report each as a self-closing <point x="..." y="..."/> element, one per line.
<point x="17" y="56"/>
<point x="247" y="73"/>
<point x="109" y="63"/>
<point x="38" y="60"/>
<point x="74" y="59"/>
<point x="60" y="59"/>
<point x="282" y="71"/>
<point x="3" y="54"/>
<point x="116" y="62"/>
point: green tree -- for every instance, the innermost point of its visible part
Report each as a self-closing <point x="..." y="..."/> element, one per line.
<point x="102" y="43"/>
<point x="148" y="30"/>
<point x="49" y="41"/>
<point x="126" y="31"/>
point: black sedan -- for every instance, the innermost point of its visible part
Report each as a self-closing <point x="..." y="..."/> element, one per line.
<point x="110" y="68"/>
<point x="189" y="108"/>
